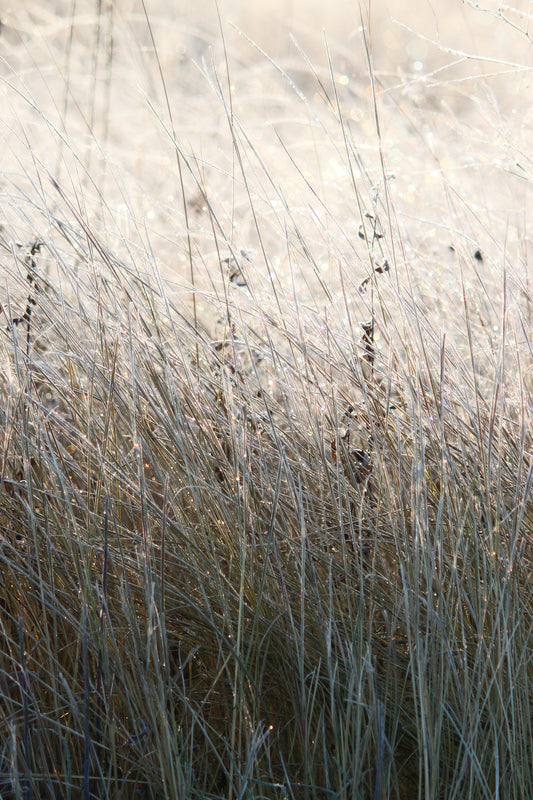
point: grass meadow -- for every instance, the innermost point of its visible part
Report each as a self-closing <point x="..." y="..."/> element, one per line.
<point x="266" y="384"/>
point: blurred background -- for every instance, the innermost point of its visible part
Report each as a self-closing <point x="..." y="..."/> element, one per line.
<point x="95" y="93"/>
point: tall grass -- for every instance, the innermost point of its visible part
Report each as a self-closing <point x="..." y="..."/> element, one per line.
<point x="265" y="527"/>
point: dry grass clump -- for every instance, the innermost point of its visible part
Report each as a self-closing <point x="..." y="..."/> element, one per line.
<point x="265" y="512"/>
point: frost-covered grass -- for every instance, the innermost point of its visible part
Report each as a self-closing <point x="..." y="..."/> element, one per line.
<point x="265" y="411"/>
